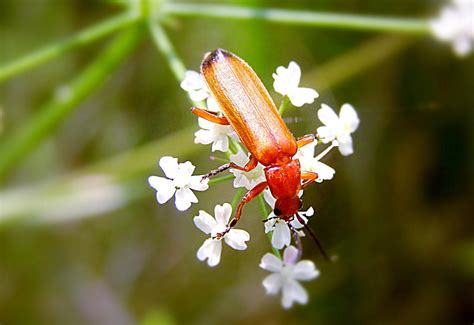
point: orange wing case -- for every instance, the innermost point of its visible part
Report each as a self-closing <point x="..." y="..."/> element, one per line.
<point x="248" y="107"/>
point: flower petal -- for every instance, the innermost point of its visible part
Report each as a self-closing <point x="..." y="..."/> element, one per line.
<point x="281" y="235"/>
<point x="292" y="292"/>
<point x="240" y="158"/>
<point x="290" y="255"/>
<point x="198" y="95"/>
<point x="221" y="143"/>
<point x="304" y="271"/>
<point x="203" y="137"/>
<point x="195" y="85"/>
<point x="210" y="250"/>
<point x="462" y="45"/>
<point x="212" y="105"/>
<point x="295" y="223"/>
<point x="240" y="180"/>
<point x="270" y="223"/>
<point x="272" y="283"/>
<point x="326" y="133"/>
<point x="192" y="81"/>
<point x="324" y="171"/>
<point x="267" y="195"/>
<point x="236" y="239"/>
<point x="205" y="222"/>
<point x="345" y="145"/>
<point x="185" y="170"/>
<point x="301" y="96"/>
<point x="348" y="117"/>
<point x="197" y="183"/>
<point x="328" y="117"/>
<point x="222" y="213"/>
<point x="164" y="187"/>
<point x="294" y="74"/>
<point x="309" y="212"/>
<point x="170" y="166"/>
<point x="271" y="263"/>
<point x="183" y="199"/>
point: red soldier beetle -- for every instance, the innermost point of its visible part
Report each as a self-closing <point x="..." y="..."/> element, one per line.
<point x="249" y="109"/>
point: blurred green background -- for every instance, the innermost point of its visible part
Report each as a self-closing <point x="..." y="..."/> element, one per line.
<point x="83" y="240"/>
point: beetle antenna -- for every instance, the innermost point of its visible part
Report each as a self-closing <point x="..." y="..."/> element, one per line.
<point x="312" y="234"/>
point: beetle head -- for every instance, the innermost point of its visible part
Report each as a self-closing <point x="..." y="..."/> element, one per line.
<point x="287" y="207"/>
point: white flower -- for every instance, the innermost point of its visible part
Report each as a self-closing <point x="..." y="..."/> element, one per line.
<point x="180" y="182"/>
<point x="339" y="128"/>
<point x="455" y="24"/>
<point x="246" y="179"/>
<point x="212" y="104"/>
<point x="211" y="248"/>
<point x="286" y="83"/>
<point x="214" y="133"/>
<point x="286" y="275"/>
<point x="281" y="235"/>
<point x="310" y="163"/>
<point x="196" y="87"/>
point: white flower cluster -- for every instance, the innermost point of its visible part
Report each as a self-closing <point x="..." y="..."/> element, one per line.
<point x="180" y="182"/>
<point x="455" y="24"/>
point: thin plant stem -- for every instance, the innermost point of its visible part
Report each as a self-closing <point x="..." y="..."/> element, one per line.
<point x="237" y="196"/>
<point x="221" y="179"/>
<point x="215" y="158"/>
<point x="284" y="105"/>
<point x="303" y="18"/>
<point x="166" y="48"/>
<point x="51" y="52"/>
<point x="39" y="127"/>
<point x="234" y="146"/>
<point x="262" y="206"/>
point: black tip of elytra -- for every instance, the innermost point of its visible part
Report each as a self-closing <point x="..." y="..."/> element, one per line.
<point x="214" y="57"/>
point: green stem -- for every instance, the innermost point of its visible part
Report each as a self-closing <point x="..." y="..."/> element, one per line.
<point x="284" y="104"/>
<point x="166" y="48"/>
<point x="221" y="179"/>
<point x="234" y="146"/>
<point x="303" y="18"/>
<point x="237" y="196"/>
<point x="48" y="53"/>
<point x="40" y="126"/>
<point x="265" y="212"/>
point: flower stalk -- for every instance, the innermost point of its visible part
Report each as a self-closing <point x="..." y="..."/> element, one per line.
<point x="83" y="38"/>
<point x="302" y="18"/>
<point x="51" y="115"/>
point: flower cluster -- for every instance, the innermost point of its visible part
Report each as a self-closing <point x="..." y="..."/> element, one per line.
<point x="179" y="182"/>
<point x="455" y="24"/>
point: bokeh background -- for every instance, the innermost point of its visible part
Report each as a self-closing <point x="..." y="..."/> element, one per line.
<point x="83" y="241"/>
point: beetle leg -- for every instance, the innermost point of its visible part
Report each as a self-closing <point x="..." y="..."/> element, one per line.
<point x="306" y="139"/>
<point x="308" y="178"/>
<point x="209" y="116"/>
<point x="246" y="199"/>
<point x="251" y="164"/>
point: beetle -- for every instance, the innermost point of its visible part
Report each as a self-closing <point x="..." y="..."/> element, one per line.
<point x="249" y="109"/>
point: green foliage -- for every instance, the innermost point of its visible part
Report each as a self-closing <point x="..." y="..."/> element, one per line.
<point x="82" y="239"/>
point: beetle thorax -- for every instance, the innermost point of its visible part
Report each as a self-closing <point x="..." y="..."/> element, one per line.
<point x="284" y="179"/>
